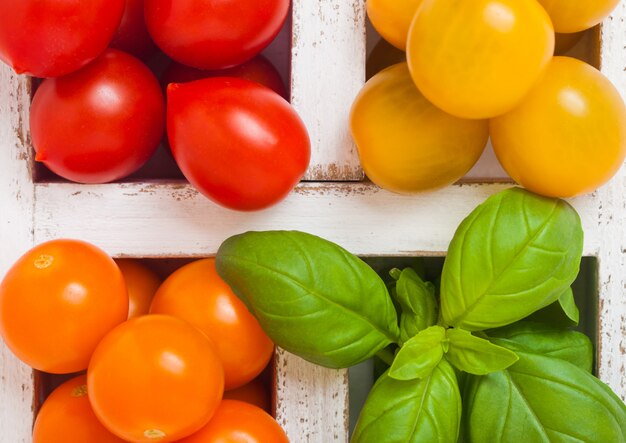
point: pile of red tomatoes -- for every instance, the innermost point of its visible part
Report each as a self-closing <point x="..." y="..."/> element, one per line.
<point x="178" y="360"/>
<point x="100" y="113"/>
<point x="485" y="68"/>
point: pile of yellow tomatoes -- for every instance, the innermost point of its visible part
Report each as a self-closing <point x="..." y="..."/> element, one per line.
<point x="485" y="68"/>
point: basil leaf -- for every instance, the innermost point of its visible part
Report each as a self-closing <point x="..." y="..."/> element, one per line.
<point x="541" y="399"/>
<point x="568" y="304"/>
<point x="476" y="355"/>
<point x="514" y="254"/>
<point x="551" y="341"/>
<point x="414" y="411"/>
<point x="417" y="302"/>
<point x="312" y="297"/>
<point x="419" y="355"/>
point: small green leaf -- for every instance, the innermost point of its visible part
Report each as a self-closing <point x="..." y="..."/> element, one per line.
<point x="549" y="340"/>
<point x="417" y="302"/>
<point x="568" y="304"/>
<point x="476" y="355"/>
<point x="414" y="411"/>
<point x="419" y="355"/>
<point x="514" y="254"/>
<point x="312" y="297"/>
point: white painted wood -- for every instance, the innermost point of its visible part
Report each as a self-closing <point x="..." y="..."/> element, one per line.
<point x="327" y="71"/>
<point x="16" y="219"/>
<point x="153" y="220"/>
<point x="311" y="401"/>
<point x="611" y="224"/>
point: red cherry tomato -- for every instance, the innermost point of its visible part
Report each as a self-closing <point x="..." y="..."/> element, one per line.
<point x="237" y="421"/>
<point x="101" y="123"/>
<point x="58" y="301"/>
<point x="258" y="70"/>
<point x="237" y="142"/>
<point x="66" y="416"/>
<point x="214" y="34"/>
<point x="49" y="38"/>
<point x="155" y="378"/>
<point x="132" y="35"/>
<point x="196" y="294"/>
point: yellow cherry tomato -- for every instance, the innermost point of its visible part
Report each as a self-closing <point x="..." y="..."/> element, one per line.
<point x="568" y="136"/>
<point x="405" y="143"/>
<point x="577" y="15"/>
<point x="392" y="19"/>
<point x="478" y="58"/>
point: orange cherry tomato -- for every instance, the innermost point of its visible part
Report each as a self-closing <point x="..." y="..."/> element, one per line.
<point x="568" y="136"/>
<point x="255" y="392"/>
<point x="66" y="416"/>
<point x="237" y="421"/>
<point x="142" y="284"/>
<point x="197" y="294"/>
<point x="392" y="19"/>
<point x="155" y="378"/>
<point x="58" y="301"/>
<point x="577" y="15"/>
<point x="478" y="58"/>
<point x="405" y="143"/>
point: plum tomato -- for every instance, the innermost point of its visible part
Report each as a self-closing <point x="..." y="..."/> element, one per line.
<point x="236" y="421"/>
<point x="392" y="19"/>
<point x="238" y="142"/>
<point x="258" y="70"/>
<point x="568" y="136"/>
<point x="577" y="15"/>
<point x="255" y="392"/>
<point x="132" y="34"/>
<point x="405" y="143"/>
<point x="66" y="416"/>
<point x="50" y="38"/>
<point x="197" y="294"/>
<point x="142" y="284"/>
<point x="214" y="34"/>
<point x="478" y="58"/>
<point x="155" y="378"/>
<point x="100" y="123"/>
<point x="56" y="303"/>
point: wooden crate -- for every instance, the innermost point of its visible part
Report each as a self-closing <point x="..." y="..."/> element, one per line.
<point x="170" y="219"/>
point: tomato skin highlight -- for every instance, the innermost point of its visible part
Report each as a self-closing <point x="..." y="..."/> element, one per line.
<point x="577" y="15"/>
<point x="568" y="136"/>
<point x="392" y="19"/>
<point x="239" y="143"/>
<point x="101" y="123"/>
<point x="50" y="38"/>
<point x="407" y="145"/>
<point x="214" y="34"/>
<point x="239" y="421"/>
<point x="155" y="376"/>
<point x="478" y="58"/>
<point x="56" y="303"/>
<point x="66" y="416"/>
<point x="196" y="293"/>
<point x="142" y="284"/>
<point x="132" y="34"/>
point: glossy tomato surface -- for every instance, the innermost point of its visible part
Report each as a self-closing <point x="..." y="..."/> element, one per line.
<point x="478" y="58"/>
<point x="577" y="15"/>
<point x="214" y="34"/>
<point x="392" y="19"/>
<point x="56" y="303"/>
<point x="258" y="70"/>
<point x="66" y="416"/>
<point x="132" y="34"/>
<point x="236" y="421"/>
<point x="101" y="123"/>
<point x="155" y="378"/>
<point x="405" y="143"/>
<point x="568" y="136"/>
<point x="196" y="294"/>
<point x="49" y="38"/>
<point x="255" y="392"/>
<point x="142" y="284"/>
<point x="239" y="143"/>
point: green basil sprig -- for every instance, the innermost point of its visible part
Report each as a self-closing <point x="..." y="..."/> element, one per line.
<point x="416" y="298"/>
<point x="312" y="297"/>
